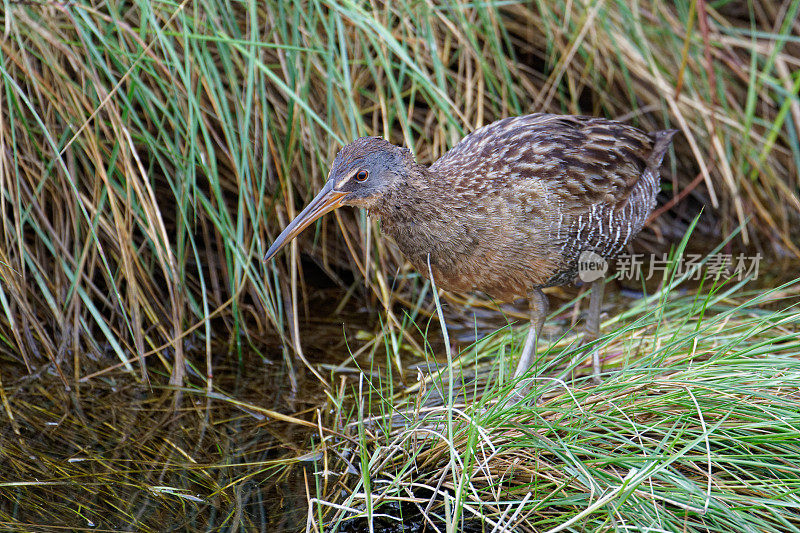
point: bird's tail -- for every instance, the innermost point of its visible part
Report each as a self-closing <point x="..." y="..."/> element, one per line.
<point x="643" y="198"/>
<point x="660" y="146"/>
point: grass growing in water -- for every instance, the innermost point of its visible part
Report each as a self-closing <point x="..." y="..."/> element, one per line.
<point x="695" y="428"/>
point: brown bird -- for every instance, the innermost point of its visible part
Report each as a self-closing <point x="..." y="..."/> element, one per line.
<point x="511" y="209"/>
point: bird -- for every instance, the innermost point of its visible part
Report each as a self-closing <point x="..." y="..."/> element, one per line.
<point x="511" y="209"/>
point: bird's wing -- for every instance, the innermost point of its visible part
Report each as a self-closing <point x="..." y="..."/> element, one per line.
<point x="581" y="161"/>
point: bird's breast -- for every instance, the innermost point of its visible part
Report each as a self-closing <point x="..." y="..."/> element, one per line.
<point x="490" y="249"/>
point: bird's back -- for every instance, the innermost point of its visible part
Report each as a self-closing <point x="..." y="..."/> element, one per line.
<point x="523" y="197"/>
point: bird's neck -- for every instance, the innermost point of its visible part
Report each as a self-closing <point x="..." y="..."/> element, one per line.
<point x="411" y="200"/>
<point x="418" y="215"/>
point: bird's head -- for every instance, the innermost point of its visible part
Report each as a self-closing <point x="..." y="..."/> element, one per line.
<point x="363" y="172"/>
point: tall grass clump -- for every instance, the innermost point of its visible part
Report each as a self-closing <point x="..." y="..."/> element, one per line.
<point x="694" y="428"/>
<point x="152" y="151"/>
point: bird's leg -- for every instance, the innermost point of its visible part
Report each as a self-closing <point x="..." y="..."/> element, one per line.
<point x="593" y="323"/>
<point x="538" y="304"/>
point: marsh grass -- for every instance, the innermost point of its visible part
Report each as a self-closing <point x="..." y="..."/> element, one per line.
<point x="152" y="151"/>
<point x="694" y="428"/>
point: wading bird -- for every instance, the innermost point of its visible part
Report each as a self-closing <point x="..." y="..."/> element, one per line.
<point x="514" y="207"/>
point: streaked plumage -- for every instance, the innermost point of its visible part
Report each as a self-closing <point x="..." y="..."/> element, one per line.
<point x="517" y="201"/>
<point x="511" y="207"/>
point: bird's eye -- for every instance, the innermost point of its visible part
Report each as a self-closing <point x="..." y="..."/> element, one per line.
<point x="362" y="175"/>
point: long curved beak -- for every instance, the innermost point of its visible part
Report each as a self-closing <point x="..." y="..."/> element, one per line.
<point x="326" y="201"/>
